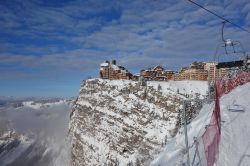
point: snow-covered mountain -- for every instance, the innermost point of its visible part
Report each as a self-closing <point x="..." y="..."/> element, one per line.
<point x="121" y="122"/>
<point x="12" y="144"/>
<point x="33" y="131"/>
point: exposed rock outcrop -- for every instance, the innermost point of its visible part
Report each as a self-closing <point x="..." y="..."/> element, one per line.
<point x="123" y="123"/>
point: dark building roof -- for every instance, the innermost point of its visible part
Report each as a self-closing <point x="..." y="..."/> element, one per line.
<point x="230" y="64"/>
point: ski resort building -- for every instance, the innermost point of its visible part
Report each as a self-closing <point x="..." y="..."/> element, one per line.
<point x="157" y="73"/>
<point x="195" y="71"/>
<point x="191" y="74"/>
<point x="201" y="71"/>
<point x="213" y="72"/>
<point x="109" y="70"/>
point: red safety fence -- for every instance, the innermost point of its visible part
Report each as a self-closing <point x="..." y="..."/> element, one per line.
<point x="211" y="137"/>
<point x="225" y="86"/>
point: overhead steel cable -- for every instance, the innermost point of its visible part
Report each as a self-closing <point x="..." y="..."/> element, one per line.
<point x="215" y="14"/>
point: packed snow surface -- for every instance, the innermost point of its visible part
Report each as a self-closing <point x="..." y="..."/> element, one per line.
<point x="185" y="87"/>
<point x="235" y="138"/>
<point x="235" y="133"/>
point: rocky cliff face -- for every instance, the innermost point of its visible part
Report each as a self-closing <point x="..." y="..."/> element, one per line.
<point x="123" y="123"/>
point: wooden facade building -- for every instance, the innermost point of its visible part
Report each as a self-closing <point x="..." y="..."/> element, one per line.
<point x="195" y="71"/>
<point x="157" y="73"/>
<point x="213" y="72"/>
<point x="109" y="70"/>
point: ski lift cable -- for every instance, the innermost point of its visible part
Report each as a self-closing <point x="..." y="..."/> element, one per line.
<point x="226" y="20"/>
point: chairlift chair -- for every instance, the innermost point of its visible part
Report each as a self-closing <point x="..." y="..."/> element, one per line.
<point x="235" y="107"/>
<point x="231" y="47"/>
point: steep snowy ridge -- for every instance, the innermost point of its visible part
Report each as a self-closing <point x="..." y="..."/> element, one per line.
<point x="235" y="133"/>
<point x="120" y="122"/>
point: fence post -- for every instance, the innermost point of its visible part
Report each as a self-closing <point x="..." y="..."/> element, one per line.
<point x="196" y="152"/>
<point x="199" y="157"/>
<point x="185" y="130"/>
<point x="209" y="88"/>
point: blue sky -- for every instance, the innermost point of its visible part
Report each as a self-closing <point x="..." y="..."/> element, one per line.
<point x="48" y="46"/>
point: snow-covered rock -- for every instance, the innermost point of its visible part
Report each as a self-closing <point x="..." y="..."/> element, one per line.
<point x="119" y="122"/>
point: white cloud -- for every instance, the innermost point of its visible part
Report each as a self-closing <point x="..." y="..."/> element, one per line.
<point x="171" y="33"/>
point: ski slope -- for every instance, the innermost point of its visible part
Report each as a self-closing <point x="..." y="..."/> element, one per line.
<point x="235" y="133"/>
<point x="235" y="138"/>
